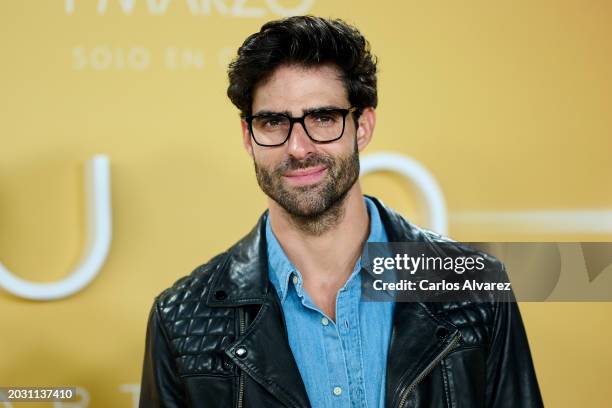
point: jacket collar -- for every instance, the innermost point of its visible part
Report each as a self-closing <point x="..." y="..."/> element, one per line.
<point x="242" y="277"/>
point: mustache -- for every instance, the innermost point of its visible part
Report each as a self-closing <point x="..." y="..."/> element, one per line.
<point x="310" y="161"/>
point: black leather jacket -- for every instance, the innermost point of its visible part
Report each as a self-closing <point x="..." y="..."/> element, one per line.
<point x="217" y="339"/>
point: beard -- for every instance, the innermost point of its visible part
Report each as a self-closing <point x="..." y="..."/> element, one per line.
<point x="313" y="207"/>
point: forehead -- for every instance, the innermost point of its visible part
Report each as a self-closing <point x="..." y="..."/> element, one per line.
<point x="296" y="88"/>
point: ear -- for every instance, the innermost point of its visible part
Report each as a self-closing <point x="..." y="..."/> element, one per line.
<point x="367" y="122"/>
<point x="246" y="137"/>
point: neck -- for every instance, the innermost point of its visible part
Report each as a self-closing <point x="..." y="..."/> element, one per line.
<point x="327" y="257"/>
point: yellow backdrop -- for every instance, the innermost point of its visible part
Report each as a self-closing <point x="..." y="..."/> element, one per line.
<point x="506" y="103"/>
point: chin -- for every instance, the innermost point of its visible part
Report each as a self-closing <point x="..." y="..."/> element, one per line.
<point x="304" y="211"/>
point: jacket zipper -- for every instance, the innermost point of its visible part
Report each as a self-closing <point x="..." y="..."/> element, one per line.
<point x="242" y="374"/>
<point x="407" y="390"/>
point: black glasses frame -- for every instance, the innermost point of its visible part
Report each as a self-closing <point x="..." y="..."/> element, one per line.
<point x="300" y="120"/>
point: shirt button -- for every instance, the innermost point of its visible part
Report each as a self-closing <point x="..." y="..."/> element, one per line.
<point x="325" y="322"/>
<point x="295" y="280"/>
<point x="337" y="391"/>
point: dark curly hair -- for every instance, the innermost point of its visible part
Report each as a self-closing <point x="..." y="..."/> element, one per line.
<point x="307" y="41"/>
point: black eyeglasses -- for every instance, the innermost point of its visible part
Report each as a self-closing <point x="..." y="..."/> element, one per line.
<point x="323" y="125"/>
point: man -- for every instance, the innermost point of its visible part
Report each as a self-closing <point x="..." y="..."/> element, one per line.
<point x="278" y="319"/>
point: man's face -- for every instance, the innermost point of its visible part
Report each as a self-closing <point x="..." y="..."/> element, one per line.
<point x="304" y="177"/>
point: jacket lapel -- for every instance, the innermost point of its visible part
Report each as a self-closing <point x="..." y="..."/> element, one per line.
<point x="263" y="352"/>
<point x="265" y="355"/>
<point x="418" y="339"/>
<point x="418" y="342"/>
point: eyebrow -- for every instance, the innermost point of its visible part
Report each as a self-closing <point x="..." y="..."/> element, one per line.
<point x="304" y="111"/>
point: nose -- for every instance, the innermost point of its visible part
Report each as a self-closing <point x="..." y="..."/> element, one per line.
<point x="299" y="144"/>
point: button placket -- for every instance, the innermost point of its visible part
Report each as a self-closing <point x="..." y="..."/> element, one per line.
<point x="337" y="368"/>
<point x="351" y="341"/>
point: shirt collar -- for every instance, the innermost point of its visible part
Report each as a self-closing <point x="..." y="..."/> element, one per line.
<point x="280" y="267"/>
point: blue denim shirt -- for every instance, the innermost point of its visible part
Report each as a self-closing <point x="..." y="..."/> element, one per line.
<point x="342" y="364"/>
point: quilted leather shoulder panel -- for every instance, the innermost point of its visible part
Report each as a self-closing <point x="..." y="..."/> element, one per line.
<point x="474" y="319"/>
<point x="197" y="334"/>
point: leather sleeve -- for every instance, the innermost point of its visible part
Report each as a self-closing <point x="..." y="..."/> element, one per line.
<point x="511" y="378"/>
<point x="161" y="386"/>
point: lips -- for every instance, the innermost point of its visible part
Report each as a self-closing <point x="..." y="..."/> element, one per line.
<point x="306" y="176"/>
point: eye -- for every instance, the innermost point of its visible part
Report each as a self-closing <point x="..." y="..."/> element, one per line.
<point x="325" y="117"/>
<point x="270" y="122"/>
